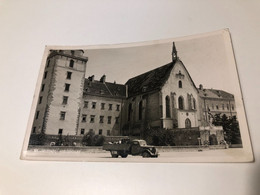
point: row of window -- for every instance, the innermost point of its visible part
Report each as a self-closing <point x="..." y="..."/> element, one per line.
<point x="102" y="106"/>
<point x="82" y="131"/>
<point x="67" y="85"/>
<point x="71" y="64"/>
<point x="223" y="107"/>
<point x="101" y="119"/>
<point x="69" y="74"/>
<point x="100" y="132"/>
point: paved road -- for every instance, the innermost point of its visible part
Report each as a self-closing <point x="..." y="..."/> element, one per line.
<point x="225" y="155"/>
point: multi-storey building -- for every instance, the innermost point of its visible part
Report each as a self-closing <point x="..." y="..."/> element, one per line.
<point x="101" y="107"/>
<point x="213" y="102"/>
<point x="57" y="111"/>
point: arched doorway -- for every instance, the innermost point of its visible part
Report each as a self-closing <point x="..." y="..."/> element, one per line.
<point x="187" y="123"/>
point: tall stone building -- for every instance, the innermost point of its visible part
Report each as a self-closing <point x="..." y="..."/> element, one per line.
<point x="58" y="107"/>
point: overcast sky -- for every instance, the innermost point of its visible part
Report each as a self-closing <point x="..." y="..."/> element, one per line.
<point x="205" y="58"/>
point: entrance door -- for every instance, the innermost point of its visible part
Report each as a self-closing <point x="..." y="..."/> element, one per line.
<point x="187" y="123"/>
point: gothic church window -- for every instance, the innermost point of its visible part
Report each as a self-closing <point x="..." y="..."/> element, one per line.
<point x="168" y="109"/>
<point x="129" y="111"/>
<point x="180" y="84"/>
<point x="181" y="103"/>
<point x="194" y="103"/>
<point x="140" y="110"/>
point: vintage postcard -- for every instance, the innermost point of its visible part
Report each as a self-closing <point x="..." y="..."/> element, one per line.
<point x="174" y="100"/>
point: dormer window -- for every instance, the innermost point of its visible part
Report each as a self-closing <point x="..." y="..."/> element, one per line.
<point x="144" y="89"/>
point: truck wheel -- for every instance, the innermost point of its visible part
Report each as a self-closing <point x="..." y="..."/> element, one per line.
<point x="114" y="155"/>
<point x="124" y="155"/>
<point x="146" y="154"/>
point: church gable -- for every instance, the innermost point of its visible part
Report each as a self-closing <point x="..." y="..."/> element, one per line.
<point x="180" y="81"/>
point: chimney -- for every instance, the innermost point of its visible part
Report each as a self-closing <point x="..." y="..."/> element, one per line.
<point x="201" y="87"/>
<point x="91" y="78"/>
<point x="103" y="79"/>
<point x="174" y="53"/>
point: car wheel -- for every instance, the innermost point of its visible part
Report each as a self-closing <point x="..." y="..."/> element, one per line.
<point x="146" y="154"/>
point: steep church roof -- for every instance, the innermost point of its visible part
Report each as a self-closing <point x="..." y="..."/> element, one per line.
<point x="152" y="80"/>
<point x="149" y="81"/>
<point x="104" y="89"/>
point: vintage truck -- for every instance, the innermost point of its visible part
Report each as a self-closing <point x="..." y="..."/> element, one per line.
<point x="134" y="147"/>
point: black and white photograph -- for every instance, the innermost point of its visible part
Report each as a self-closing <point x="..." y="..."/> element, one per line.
<point x="174" y="100"/>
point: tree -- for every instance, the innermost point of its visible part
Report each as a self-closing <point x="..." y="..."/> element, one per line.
<point x="230" y="127"/>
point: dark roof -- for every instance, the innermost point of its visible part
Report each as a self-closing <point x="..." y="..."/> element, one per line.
<point x="104" y="89"/>
<point x="149" y="81"/>
<point x="215" y="93"/>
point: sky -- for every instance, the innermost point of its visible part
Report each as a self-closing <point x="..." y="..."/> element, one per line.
<point x="206" y="58"/>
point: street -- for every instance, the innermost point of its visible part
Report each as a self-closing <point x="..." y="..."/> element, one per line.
<point x="221" y="155"/>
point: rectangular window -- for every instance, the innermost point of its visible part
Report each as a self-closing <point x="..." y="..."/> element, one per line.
<point x="60" y="131"/>
<point x="65" y="100"/>
<point x="62" y="115"/>
<point x="109" y="120"/>
<point x="100" y="132"/>
<point x="67" y="87"/>
<point x="34" y="130"/>
<point x="217" y="107"/>
<point x="82" y="131"/>
<point x="48" y="63"/>
<point x="108" y="132"/>
<point x="223" y="107"/>
<point x="92" y="118"/>
<point x="40" y="100"/>
<point x="93" y="105"/>
<point x="84" y="118"/>
<point x="232" y="106"/>
<point x="85" y="104"/>
<point x="110" y="107"/>
<point x="42" y="87"/>
<point x="102" y="106"/>
<point x="227" y="106"/>
<point x="117" y="107"/>
<point x="101" y="119"/>
<point x="117" y="120"/>
<point x="45" y="75"/>
<point x="37" y="114"/>
<point x="69" y="75"/>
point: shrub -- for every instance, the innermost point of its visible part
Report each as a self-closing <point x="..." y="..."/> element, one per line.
<point x="90" y="139"/>
<point x="37" y="139"/>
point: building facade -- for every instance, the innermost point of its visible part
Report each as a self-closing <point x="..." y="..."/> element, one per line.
<point x="214" y="102"/>
<point x="166" y="97"/>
